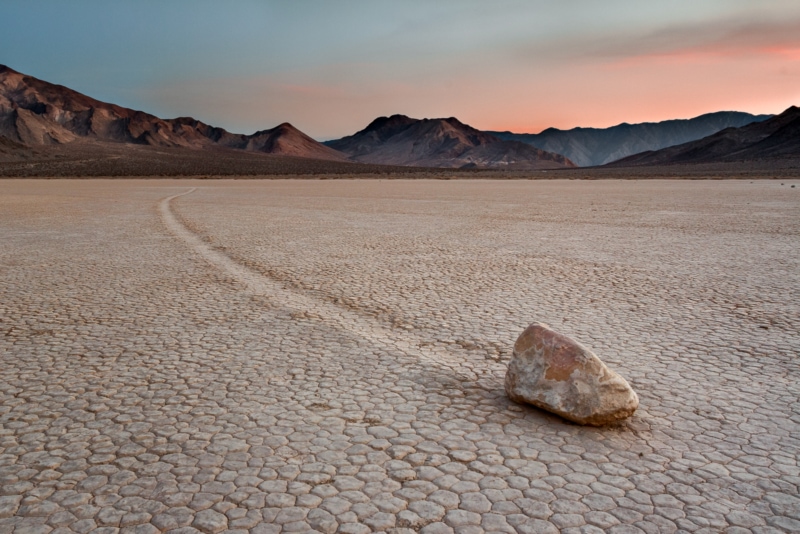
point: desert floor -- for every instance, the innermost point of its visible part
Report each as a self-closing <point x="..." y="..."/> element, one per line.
<point x="317" y="355"/>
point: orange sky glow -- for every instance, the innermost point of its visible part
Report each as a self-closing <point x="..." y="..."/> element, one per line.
<point x="507" y="65"/>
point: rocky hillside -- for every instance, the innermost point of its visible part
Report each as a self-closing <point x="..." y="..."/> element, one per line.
<point x="401" y="140"/>
<point x="598" y="146"/>
<point x="777" y="138"/>
<point x="37" y="113"/>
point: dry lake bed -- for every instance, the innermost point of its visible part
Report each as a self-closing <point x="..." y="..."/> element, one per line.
<point x="318" y="355"/>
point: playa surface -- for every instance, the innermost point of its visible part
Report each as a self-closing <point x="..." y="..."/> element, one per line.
<point x="318" y="355"/>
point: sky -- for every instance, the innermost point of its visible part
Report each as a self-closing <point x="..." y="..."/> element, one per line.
<point x="331" y="67"/>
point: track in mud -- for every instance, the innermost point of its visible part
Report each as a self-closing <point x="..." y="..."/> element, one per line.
<point x="345" y="319"/>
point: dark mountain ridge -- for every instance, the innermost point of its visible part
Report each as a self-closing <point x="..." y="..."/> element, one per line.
<point x="598" y="146"/>
<point x="401" y="140"/>
<point x="776" y="138"/>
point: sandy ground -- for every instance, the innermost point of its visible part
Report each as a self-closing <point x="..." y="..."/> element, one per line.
<point x="295" y="356"/>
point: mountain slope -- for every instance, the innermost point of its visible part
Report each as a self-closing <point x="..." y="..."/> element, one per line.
<point x="401" y="140"/>
<point x="287" y="140"/>
<point x="772" y="139"/>
<point x="37" y="113"/>
<point x="597" y="146"/>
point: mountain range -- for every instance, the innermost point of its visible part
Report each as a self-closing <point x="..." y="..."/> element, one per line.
<point x="598" y="146"/>
<point x="401" y="140"/>
<point x="35" y="113"/>
<point x="48" y="129"/>
<point x="772" y="139"/>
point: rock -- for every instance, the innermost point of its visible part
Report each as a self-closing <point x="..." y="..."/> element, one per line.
<point x="558" y="374"/>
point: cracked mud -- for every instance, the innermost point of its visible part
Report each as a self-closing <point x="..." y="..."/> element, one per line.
<point x="300" y="356"/>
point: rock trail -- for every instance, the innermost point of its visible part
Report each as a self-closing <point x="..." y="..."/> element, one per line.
<point x="341" y="317"/>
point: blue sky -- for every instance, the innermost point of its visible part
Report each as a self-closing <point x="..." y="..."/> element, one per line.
<point x="331" y="67"/>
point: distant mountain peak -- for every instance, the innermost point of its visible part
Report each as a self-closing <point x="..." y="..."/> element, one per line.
<point x="439" y="142"/>
<point x="391" y="121"/>
<point x="283" y="128"/>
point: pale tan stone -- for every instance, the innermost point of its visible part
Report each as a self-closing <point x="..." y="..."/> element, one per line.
<point x="555" y="373"/>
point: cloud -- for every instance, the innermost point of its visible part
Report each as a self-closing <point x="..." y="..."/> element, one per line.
<point x="708" y="44"/>
<point x="677" y="42"/>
